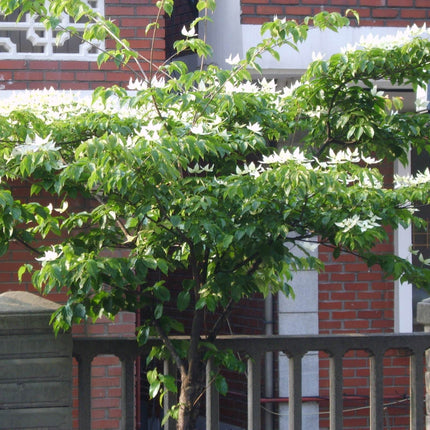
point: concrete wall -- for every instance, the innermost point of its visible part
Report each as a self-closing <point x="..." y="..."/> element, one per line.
<point x="35" y="366"/>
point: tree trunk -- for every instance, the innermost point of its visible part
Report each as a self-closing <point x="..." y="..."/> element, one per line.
<point x="189" y="398"/>
<point x="185" y="402"/>
<point x="192" y="379"/>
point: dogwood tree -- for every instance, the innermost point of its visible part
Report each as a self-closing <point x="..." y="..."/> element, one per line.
<point x="201" y="171"/>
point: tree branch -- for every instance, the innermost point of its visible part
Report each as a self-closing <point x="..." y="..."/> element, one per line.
<point x="169" y="345"/>
<point x="217" y="325"/>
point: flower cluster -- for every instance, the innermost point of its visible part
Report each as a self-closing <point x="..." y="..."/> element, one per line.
<point x="409" y="181"/>
<point x="400" y="38"/>
<point x="355" y="221"/>
<point x="34" y="145"/>
<point x="285" y="156"/>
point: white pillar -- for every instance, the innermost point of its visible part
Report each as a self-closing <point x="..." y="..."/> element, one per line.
<point x="299" y="316"/>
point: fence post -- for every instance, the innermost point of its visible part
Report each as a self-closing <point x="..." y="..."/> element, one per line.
<point x="212" y="398"/>
<point x="423" y="317"/>
<point x="35" y="366"/>
<point x="170" y="399"/>
<point x="254" y="391"/>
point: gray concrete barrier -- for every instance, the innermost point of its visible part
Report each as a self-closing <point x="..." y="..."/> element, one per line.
<point x="35" y="366"/>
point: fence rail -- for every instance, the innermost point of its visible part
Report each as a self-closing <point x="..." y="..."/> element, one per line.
<point x="254" y="347"/>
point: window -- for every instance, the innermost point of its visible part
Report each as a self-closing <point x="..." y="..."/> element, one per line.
<point x="28" y="39"/>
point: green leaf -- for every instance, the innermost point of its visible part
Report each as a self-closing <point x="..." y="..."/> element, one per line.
<point x="169" y="383"/>
<point x="221" y="385"/>
<point x="158" y="311"/>
<point x="183" y="302"/>
<point x="154" y="384"/>
<point x="23" y="269"/>
<point x="161" y="292"/>
<point x="163" y="265"/>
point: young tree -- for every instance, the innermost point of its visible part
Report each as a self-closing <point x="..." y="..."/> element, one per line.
<point x="200" y="171"/>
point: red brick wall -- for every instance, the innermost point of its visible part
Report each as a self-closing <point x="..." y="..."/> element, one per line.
<point x="356" y="299"/>
<point x="398" y="13"/>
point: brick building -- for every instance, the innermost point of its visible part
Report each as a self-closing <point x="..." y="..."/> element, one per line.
<point x="346" y="297"/>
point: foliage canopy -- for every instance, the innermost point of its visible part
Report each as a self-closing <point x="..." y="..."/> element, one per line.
<point x="204" y="171"/>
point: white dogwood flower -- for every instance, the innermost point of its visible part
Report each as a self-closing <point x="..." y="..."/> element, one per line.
<point x="363" y="224"/>
<point x="407" y="181"/>
<point x="344" y="156"/>
<point x="233" y="61"/>
<point x="250" y="169"/>
<point x="198" y="129"/>
<point x="200" y="169"/>
<point x="137" y="85"/>
<point x="255" y="128"/>
<point x="188" y="33"/>
<point x="370" y="160"/>
<point x="285" y="156"/>
<point x="49" y="255"/>
<point x="34" y="145"/>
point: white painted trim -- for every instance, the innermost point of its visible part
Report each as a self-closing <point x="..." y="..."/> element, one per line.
<point x="228" y="37"/>
<point x="325" y="43"/>
<point x="224" y="33"/>
<point x="403" y="312"/>
<point x="299" y="316"/>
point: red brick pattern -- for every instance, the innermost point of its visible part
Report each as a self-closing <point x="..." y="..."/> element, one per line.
<point x="354" y="298"/>
<point x="383" y="13"/>
<point x="356" y="390"/>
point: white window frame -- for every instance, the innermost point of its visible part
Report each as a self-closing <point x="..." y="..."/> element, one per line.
<point x="38" y="36"/>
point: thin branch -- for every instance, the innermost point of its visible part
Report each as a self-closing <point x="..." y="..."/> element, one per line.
<point x="154" y="32"/>
<point x="202" y="58"/>
<point x="217" y="325"/>
<point x="26" y="245"/>
<point x="169" y="345"/>
<point x="118" y="221"/>
<point x="138" y="73"/>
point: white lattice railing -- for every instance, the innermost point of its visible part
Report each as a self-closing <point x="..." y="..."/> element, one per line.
<point x="28" y="39"/>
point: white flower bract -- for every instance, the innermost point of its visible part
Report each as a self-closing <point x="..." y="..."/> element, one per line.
<point x="201" y="169"/>
<point x="255" y="128"/>
<point x="363" y="224"/>
<point x="49" y="255"/>
<point x="34" y="145"/>
<point x="250" y="169"/>
<point x="284" y="156"/>
<point x="407" y="181"/>
<point x="188" y="33"/>
<point x="346" y="156"/>
<point x="233" y="61"/>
